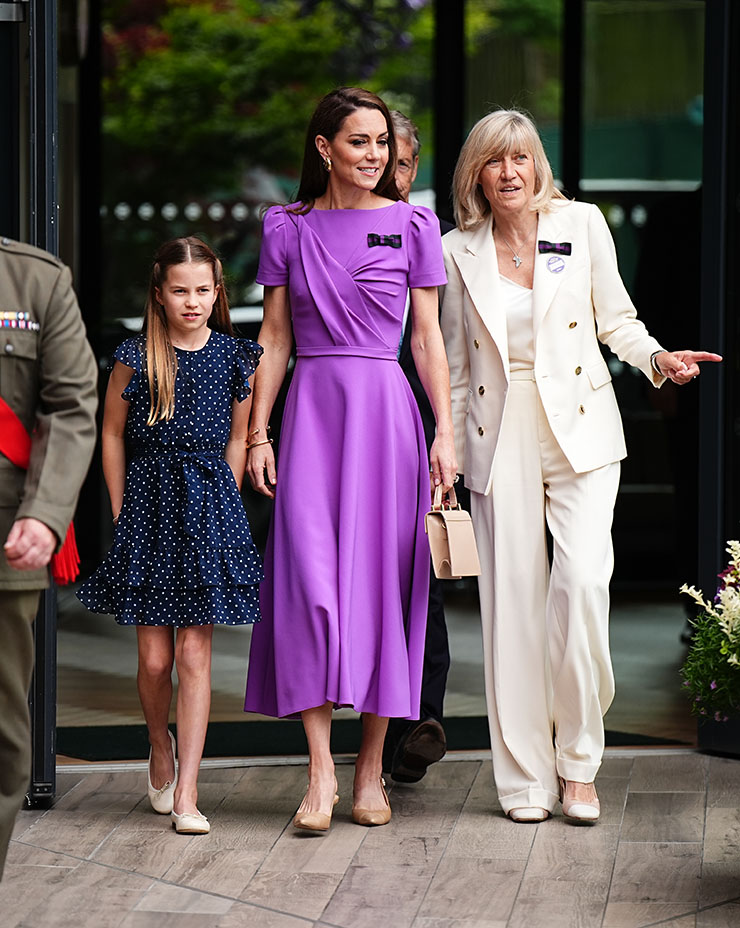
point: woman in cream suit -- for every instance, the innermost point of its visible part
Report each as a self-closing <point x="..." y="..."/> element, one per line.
<point x="533" y="287"/>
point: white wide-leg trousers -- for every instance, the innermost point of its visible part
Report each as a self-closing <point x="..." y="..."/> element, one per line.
<point x="548" y="672"/>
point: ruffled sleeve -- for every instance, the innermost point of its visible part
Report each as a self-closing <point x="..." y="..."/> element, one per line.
<point x="248" y="354"/>
<point x="426" y="264"/>
<point x="273" y="268"/>
<point x="131" y="353"/>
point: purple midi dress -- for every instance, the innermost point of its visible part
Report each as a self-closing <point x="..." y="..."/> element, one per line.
<point x="344" y="599"/>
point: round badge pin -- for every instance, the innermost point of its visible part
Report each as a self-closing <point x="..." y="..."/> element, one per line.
<point x="555" y="264"/>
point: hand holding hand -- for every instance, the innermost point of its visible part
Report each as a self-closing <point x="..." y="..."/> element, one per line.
<point x="261" y="464"/>
<point x="30" y="545"/>
<point x="683" y="366"/>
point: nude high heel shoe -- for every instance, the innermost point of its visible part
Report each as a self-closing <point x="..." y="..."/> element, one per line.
<point x="373" y="816"/>
<point x="315" y="821"/>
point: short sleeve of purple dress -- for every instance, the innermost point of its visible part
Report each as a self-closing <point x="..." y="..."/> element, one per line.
<point x="344" y="599"/>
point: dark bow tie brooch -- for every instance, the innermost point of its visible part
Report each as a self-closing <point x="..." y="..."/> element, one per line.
<point x="556" y="248"/>
<point x="393" y="241"/>
<point x="555" y="263"/>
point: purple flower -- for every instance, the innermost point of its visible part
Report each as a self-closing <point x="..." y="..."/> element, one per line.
<point x="718" y="717"/>
<point x="713" y="685"/>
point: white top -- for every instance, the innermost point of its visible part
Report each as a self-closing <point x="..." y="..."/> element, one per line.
<point x="519" y="325"/>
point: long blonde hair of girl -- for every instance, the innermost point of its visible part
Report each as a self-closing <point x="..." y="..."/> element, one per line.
<point x="161" y="360"/>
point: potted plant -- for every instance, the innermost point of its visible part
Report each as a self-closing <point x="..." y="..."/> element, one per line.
<point x="711" y="672"/>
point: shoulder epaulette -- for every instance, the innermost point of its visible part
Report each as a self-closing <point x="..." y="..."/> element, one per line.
<point x="10" y="246"/>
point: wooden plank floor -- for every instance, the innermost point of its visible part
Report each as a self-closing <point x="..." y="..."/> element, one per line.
<point x="666" y="852"/>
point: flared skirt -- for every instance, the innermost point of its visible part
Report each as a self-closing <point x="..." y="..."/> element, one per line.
<point x="345" y="596"/>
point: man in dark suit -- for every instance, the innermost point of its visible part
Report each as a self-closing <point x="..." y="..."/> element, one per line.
<point x="410" y="747"/>
<point x="48" y="384"/>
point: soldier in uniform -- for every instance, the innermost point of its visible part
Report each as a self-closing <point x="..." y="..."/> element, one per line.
<point x="48" y="378"/>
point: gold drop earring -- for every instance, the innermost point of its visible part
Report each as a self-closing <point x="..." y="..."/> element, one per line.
<point x="327" y="164"/>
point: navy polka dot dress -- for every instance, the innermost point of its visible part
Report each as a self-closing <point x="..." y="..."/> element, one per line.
<point x="182" y="553"/>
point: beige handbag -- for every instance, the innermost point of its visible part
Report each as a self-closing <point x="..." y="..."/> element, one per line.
<point x="451" y="539"/>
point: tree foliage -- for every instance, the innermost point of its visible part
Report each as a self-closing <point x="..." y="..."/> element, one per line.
<point x="208" y="100"/>
<point x="213" y="86"/>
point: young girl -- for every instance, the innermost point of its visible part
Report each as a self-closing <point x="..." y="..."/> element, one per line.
<point x="174" y="452"/>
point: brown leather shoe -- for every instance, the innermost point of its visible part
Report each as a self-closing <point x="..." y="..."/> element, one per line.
<point x="424" y="744"/>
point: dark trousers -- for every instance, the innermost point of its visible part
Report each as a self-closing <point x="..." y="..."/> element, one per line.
<point x="17" y="612"/>
<point x="436" y="655"/>
<point x="436" y="665"/>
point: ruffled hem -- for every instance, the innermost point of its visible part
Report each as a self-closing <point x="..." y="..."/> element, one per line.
<point x="247" y="358"/>
<point x="188" y="568"/>
<point x="206" y="606"/>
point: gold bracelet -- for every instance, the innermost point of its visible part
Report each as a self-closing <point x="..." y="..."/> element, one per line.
<point x="265" y="441"/>
<point x="258" y="430"/>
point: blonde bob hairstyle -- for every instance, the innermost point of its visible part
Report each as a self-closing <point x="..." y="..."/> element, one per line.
<point x="503" y="132"/>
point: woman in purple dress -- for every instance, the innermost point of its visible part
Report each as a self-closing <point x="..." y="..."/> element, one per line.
<point x="344" y="599"/>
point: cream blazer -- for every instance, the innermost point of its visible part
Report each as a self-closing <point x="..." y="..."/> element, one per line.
<point x="578" y="300"/>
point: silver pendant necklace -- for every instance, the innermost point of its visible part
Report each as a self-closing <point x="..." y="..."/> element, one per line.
<point x="516" y="259"/>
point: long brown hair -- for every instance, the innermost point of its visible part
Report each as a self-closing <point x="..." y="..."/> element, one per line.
<point x="161" y="360"/>
<point x="327" y="120"/>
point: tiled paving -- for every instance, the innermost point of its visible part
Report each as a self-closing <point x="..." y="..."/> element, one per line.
<point x="666" y="852"/>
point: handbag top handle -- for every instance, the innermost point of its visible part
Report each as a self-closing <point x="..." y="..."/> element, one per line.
<point x="451" y="498"/>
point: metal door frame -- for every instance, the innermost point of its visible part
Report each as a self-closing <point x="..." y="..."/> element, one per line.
<point x="29" y="204"/>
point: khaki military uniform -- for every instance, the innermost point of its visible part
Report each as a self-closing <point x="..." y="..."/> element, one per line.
<point x="48" y="376"/>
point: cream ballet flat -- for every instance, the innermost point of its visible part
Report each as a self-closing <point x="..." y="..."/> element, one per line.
<point x="190" y="823"/>
<point x="162" y="800"/>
